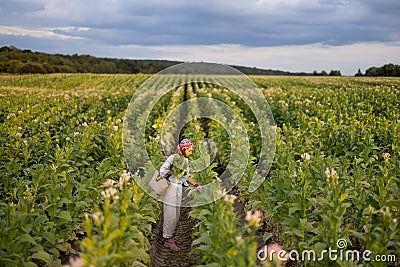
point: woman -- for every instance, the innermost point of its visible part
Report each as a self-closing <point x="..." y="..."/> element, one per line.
<point x="173" y="195"/>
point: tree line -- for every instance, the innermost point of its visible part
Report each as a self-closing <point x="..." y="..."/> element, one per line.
<point x="17" y="61"/>
<point x="386" y="70"/>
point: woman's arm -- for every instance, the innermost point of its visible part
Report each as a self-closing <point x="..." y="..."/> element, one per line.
<point x="165" y="170"/>
<point x="192" y="182"/>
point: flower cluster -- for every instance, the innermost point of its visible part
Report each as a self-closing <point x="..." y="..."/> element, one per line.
<point x="254" y="219"/>
<point x="110" y="192"/>
<point x="221" y="192"/>
<point x="230" y="198"/>
<point x="306" y="156"/>
<point x="330" y="173"/>
<point x="386" y="156"/>
<point x="98" y="217"/>
<point x="274" y="255"/>
<point x="109" y="183"/>
<point x="125" y="177"/>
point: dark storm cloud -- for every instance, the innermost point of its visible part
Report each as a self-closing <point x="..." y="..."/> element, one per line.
<point x="294" y="35"/>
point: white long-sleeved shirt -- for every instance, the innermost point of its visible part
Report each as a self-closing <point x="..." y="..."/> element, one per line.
<point x="166" y="167"/>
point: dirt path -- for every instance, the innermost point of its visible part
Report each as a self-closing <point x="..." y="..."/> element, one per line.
<point x="162" y="256"/>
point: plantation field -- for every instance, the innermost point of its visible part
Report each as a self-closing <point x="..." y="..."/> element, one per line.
<point x="67" y="196"/>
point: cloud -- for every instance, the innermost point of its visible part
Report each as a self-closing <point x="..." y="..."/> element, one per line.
<point x="41" y="33"/>
<point x="251" y="23"/>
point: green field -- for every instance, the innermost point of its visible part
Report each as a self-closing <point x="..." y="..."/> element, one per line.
<point x="65" y="191"/>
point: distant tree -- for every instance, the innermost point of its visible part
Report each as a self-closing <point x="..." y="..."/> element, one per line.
<point x="391" y="70"/>
<point x="30" y="68"/>
<point x="324" y="73"/>
<point x="335" y="73"/>
<point x="12" y="65"/>
<point x="359" y="73"/>
<point x="372" y="71"/>
<point x="48" y="68"/>
<point x="385" y="70"/>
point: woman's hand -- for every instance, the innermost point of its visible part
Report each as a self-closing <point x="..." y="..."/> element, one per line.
<point x="192" y="182"/>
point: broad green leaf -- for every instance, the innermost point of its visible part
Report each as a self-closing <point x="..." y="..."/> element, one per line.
<point x="29" y="264"/>
<point x="65" y="215"/>
<point x="42" y="255"/>
<point x="26" y="238"/>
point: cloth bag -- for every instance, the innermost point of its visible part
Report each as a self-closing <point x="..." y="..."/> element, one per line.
<point x="158" y="184"/>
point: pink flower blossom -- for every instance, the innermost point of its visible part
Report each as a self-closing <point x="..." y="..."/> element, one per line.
<point x="254" y="218"/>
<point x="276" y="254"/>
<point x="221" y="192"/>
<point x="125" y="177"/>
<point x="77" y="262"/>
<point x="110" y="193"/>
<point x="230" y="198"/>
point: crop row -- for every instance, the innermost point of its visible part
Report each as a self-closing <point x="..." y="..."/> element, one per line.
<point x="66" y="190"/>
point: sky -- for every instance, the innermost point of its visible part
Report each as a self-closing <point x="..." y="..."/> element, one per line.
<point x="289" y="35"/>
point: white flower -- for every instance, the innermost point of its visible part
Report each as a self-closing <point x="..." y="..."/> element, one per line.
<point x="109" y="183"/>
<point x="331" y="173"/>
<point x="386" y="156"/>
<point x="125" y="177"/>
<point x="110" y="193"/>
<point x="306" y="156"/>
<point x="97" y="217"/>
<point x="11" y="115"/>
